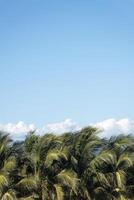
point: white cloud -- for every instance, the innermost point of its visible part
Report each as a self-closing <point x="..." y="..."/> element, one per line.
<point x="17" y="130"/>
<point x="66" y="126"/>
<point x="109" y="127"/>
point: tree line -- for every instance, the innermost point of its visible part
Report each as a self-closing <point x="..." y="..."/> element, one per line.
<point x="71" y="166"/>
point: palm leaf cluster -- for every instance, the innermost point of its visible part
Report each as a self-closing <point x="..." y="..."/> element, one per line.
<point x="75" y="166"/>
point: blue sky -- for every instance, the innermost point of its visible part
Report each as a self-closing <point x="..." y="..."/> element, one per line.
<point x="66" y="59"/>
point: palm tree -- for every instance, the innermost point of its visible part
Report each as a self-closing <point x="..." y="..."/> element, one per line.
<point x="83" y="146"/>
<point x="7" y="164"/>
<point x="43" y="173"/>
<point x="109" y="169"/>
<point x="72" y="166"/>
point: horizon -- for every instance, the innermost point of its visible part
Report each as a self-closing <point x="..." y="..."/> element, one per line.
<point x="107" y="128"/>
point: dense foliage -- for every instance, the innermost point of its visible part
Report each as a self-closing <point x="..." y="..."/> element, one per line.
<point x="76" y="166"/>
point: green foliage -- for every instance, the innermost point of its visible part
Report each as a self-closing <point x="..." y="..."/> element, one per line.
<point x="72" y="166"/>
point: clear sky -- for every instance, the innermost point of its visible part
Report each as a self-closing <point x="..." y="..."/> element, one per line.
<point x="66" y="59"/>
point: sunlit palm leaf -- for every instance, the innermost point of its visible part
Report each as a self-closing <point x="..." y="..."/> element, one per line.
<point x="9" y="164"/>
<point x="9" y="195"/>
<point x="68" y="178"/>
<point x="54" y="155"/>
<point x="3" y="181"/>
<point x="59" y="192"/>
<point x="27" y="183"/>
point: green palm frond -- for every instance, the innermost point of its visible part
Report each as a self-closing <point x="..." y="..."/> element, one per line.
<point x="89" y="146"/>
<point x="3" y="181"/>
<point x="83" y="191"/>
<point x="55" y="155"/>
<point x="9" y="164"/>
<point x="9" y="195"/>
<point x="68" y="178"/>
<point x="4" y="138"/>
<point x="59" y="192"/>
<point x="87" y="136"/>
<point x="125" y="161"/>
<point x="121" y="141"/>
<point x="121" y="179"/>
<point x="102" y="179"/>
<point x="104" y="157"/>
<point x="28" y="183"/>
<point x="27" y="198"/>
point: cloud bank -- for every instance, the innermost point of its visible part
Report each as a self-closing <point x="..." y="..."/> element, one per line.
<point x="112" y="127"/>
<point x="66" y="126"/>
<point x="17" y="130"/>
<point x="108" y="128"/>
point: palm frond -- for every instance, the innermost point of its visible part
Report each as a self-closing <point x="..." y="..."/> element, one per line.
<point x="28" y="183"/>
<point x="9" y="195"/>
<point x="68" y="178"/>
<point x="3" y="181"/>
<point x="54" y="155"/>
<point x="59" y="192"/>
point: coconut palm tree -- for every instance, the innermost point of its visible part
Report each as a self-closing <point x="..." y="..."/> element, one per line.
<point x="7" y="164"/>
<point x="109" y="169"/>
<point x="72" y="166"/>
<point x="43" y="172"/>
<point x="83" y="147"/>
